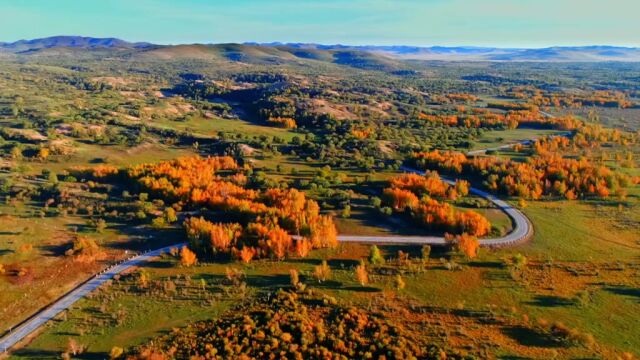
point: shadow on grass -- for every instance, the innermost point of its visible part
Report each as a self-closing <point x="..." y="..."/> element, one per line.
<point x="497" y="275"/>
<point x="343" y="263"/>
<point x="367" y="289"/>
<point x="528" y="337"/>
<point x="92" y="356"/>
<point x="142" y="238"/>
<point x="550" y="301"/>
<point x="333" y="263"/>
<point x="391" y="251"/>
<point x="267" y="281"/>
<point x="624" y="291"/>
<point x="486" y="264"/>
<point x="482" y="317"/>
<point x="65" y="333"/>
<point x="158" y="264"/>
<point x="304" y="261"/>
<point x="328" y="284"/>
<point x="263" y="282"/>
<point x="36" y="354"/>
<point x="55" y="250"/>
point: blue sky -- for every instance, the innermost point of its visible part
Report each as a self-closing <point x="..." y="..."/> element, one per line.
<point x="502" y="23"/>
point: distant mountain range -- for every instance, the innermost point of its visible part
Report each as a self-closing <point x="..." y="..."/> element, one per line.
<point x="358" y="56"/>
<point x="473" y="53"/>
<point x="69" y="41"/>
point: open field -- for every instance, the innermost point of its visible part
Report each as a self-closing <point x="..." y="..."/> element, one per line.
<point x="34" y="245"/>
<point x="492" y="139"/>
<point x="261" y="157"/>
<point x="479" y="286"/>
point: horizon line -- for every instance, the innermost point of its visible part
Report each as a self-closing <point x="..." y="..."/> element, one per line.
<point x="276" y="42"/>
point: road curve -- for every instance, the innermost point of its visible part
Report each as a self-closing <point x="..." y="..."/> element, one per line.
<point x="522" y="230"/>
<point x="39" y="319"/>
<point x="522" y="227"/>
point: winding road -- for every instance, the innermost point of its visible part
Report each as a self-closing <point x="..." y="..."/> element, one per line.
<point x="522" y="227"/>
<point x="522" y="230"/>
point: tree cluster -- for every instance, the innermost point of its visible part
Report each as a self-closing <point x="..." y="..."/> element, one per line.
<point x="547" y="174"/>
<point x="418" y="195"/>
<point x="291" y="326"/>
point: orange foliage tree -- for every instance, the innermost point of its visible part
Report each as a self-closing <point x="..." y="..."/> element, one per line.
<point x="548" y="173"/>
<point x="187" y="257"/>
<point x="218" y="184"/>
<point x="403" y="194"/>
<point x="465" y="243"/>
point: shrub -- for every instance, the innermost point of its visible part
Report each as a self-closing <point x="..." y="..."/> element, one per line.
<point x="322" y="272"/>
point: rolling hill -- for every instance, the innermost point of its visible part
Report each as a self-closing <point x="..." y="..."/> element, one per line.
<point x="70" y="41"/>
<point x="386" y="58"/>
<point x="471" y="53"/>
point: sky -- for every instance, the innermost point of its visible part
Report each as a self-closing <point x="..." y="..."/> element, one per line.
<point x="498" y="23"/>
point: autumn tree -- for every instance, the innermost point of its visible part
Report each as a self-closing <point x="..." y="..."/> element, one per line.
<point x="116" y="352"/>
<point x="324" y="233"/>
<point x="322" y="272"/>
<point x="467" y="244"/>
<point x="399" y="199"/>
<point x="294" y="277"/>
<point x="74" y="347"/>
<point x="302" y="247"/>
<point x="170" y="215"/>
<point x="547" y="173"/>
<point x="362" y="276"/>
<point x="43" y="153"/>
<point x="462" y="187"/>
<point x="187" y="257"/>
<point x="522" y="203"/>
<point x="246" y="254"/>
<point x="279" y="242"/>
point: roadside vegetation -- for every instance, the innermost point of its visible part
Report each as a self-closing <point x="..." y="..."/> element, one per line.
<point x="259" y="167"/>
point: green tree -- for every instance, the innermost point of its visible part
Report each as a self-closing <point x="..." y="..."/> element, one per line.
<point x="53" y="178"/>
<point x="375" y="258"/>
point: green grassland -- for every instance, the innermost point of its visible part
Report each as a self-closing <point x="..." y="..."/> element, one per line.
<point x="566" y="289"/>
<point x="582" y="260"/>
<point x="491" y="139"/>
<point x="37" y="245"/>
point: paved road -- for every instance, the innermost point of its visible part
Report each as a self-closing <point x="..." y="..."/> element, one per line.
<point x="522" y="230"/>
<point x="66" y="301"/>
<point x="522" y="227"/>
